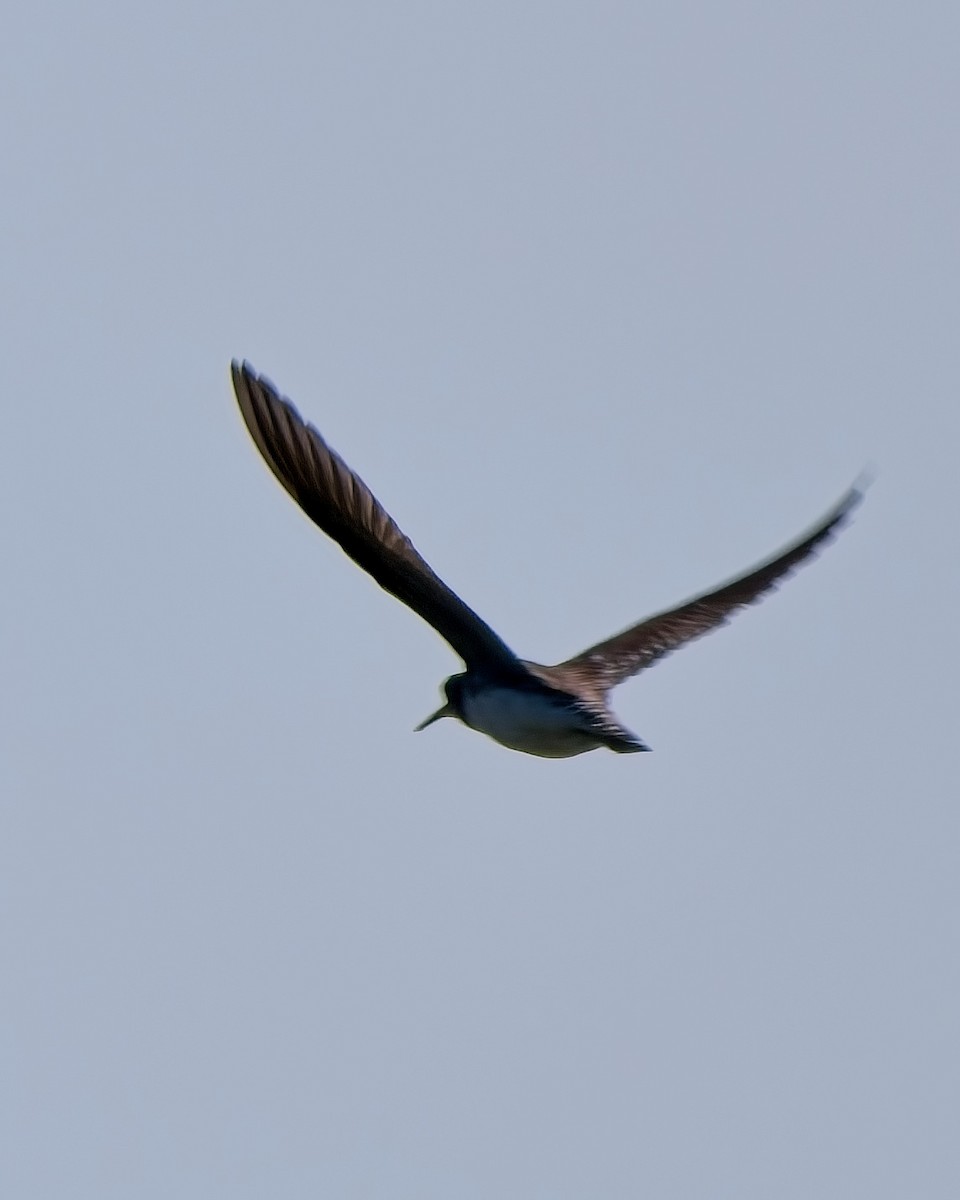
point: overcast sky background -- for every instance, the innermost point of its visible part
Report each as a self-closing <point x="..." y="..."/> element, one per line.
<point x="606" y="301"/>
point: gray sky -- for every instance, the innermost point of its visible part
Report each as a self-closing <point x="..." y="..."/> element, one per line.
<point x="606" y="302"/>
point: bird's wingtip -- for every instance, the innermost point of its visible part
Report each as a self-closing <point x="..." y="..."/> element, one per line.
<point x="864" y="481"/>
<point x="854" y="495"/>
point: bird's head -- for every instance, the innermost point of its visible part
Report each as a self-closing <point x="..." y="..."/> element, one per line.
<point x="452" y="689"/>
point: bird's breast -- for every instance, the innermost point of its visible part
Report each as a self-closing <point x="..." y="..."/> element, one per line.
<point x="532" y="722"/>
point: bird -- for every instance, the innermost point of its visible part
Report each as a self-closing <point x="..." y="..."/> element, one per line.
<point x="549" y="711"/>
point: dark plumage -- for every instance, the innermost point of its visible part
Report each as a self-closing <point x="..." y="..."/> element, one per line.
<point x="550" y="711"/>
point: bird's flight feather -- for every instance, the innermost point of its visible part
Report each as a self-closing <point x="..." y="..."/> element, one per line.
<point x="610" y="662"/>
<point x="338" y="500"/>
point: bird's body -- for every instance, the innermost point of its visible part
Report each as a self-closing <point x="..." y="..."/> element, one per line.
<point x="552" y="712"/>
<point x="533" y="722"/>
<point x="534" y="717"/>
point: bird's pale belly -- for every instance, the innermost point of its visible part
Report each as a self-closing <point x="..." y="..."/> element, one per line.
<point x="529" y="722"/>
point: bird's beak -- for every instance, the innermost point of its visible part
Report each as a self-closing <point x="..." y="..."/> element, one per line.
<point x="444" y="711"/>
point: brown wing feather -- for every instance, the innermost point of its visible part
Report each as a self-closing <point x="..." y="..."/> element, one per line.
<point x="343" y="506"/>
<point x="609" y="663"/>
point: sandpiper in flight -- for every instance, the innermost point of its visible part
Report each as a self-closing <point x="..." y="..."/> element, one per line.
<point x="554" y="712"/>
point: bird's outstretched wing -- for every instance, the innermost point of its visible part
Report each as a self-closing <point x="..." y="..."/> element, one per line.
<point x="609" y="663"/>
<point x="343" y="506"/>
